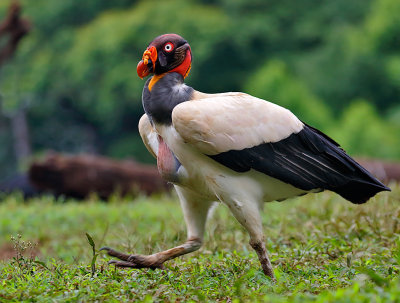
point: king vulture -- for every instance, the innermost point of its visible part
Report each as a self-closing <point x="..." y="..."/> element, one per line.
<point x="233" y="148"/>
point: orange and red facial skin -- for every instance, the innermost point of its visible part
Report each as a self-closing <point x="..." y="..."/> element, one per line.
<point x="168" y="47"/>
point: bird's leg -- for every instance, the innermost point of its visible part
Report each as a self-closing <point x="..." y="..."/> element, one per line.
<point x="248" y="214"/>
<point x="195" y="214"/>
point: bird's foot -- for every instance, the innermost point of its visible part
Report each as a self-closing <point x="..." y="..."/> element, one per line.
<point x="268" y="271"/>
<point x="134" y="261"/>
<point x="266" y="265"/>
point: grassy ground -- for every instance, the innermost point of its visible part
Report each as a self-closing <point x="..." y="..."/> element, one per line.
<point x="323" y="249"/>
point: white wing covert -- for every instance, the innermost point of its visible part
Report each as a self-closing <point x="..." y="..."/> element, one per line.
<point x="232" y="121"/>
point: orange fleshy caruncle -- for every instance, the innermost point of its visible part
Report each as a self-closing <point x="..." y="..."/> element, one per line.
<point x="142" y="68"/>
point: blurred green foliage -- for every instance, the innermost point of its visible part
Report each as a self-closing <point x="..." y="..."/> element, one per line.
<point x="75" y="72"/>
<point x="274" y="82"/>
<point x="362" y="131"/>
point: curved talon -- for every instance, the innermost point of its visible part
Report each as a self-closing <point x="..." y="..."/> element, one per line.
<point x="113" y="253"/>
<point x="122" y="263"/>
<point x="135" y="265"/>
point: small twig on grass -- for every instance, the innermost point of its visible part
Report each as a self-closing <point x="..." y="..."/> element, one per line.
<point x="93" y="245"/>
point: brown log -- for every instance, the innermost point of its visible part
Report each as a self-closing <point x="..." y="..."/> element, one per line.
<point x="80" y="175"/>
<point x="15" y="28"/>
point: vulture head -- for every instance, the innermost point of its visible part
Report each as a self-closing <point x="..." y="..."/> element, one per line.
<point x="166" y="53"/>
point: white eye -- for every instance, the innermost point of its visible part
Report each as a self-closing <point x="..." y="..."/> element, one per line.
<point x="168" y="47"/>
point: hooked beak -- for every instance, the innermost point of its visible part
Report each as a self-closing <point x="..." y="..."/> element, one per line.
<point x="148" y="62"/>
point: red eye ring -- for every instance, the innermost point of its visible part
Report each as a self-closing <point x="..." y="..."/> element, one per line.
<point x="168" y="47"/>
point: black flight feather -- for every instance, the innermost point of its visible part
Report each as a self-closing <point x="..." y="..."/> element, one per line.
<point x="307" y="160"/>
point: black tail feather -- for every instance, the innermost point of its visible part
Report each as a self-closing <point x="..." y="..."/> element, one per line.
<point x="360" y="192"/>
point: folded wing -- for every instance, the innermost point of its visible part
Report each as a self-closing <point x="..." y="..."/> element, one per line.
<point x="242" y="133"/>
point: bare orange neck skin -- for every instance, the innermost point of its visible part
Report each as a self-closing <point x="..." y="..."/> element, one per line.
<point x="154" y="80"/>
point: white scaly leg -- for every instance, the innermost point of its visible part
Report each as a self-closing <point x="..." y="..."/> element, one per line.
<point x="248" y="214"/>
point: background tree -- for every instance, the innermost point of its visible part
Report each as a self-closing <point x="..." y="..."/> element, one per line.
<point x="77" y="68"/>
